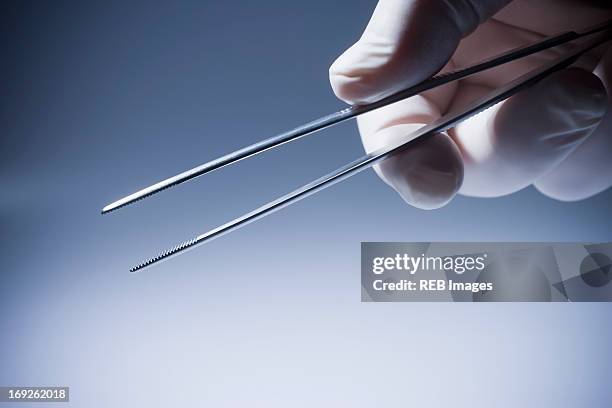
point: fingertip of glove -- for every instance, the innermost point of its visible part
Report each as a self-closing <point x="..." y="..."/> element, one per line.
<point x="427" y="176"/>
<point x="580" y="94"/>
<point x="351" y="81"/>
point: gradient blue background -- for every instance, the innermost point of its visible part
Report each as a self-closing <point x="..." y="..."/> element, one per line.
<point x="101" y="98"/>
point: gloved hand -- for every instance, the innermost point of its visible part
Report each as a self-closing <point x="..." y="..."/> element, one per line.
<point x="555" y="135"/>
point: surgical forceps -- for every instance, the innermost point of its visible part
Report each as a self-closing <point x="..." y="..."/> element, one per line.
<point x="601" y="33"/>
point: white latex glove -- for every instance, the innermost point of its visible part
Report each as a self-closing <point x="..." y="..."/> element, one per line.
<point x="555" y="135"/>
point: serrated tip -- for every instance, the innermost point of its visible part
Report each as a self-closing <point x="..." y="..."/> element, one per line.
<point x="108" y="208"/>
<point x="132" y="198"/>
<point x="173" y="251"/>
<point x="144" y="193"/>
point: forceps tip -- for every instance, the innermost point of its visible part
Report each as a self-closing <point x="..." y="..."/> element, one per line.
<point x="116" y="205"/>
<point x="166" y="254"/>
<point x="144" y="193"/>
<point x="108" y="208"/>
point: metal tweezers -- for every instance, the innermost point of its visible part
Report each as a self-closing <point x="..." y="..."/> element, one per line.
<point x="600" y="34"/>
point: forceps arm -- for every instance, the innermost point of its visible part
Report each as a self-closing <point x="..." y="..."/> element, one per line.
<point x="352" y="112"/>
<point x="447" y="121"/>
